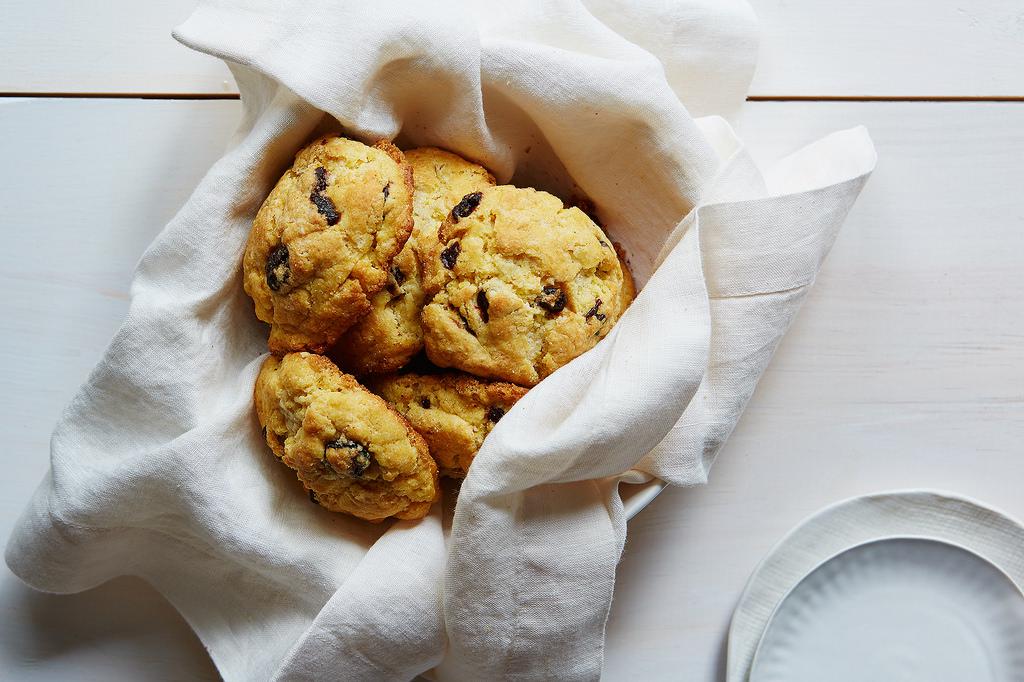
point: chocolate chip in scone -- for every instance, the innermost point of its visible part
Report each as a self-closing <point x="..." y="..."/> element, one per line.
<point x="323" y="204"/>
<point x="466" y="206"/>
<point x="483" y="304"/>
<point x="313" y="498"/>
<point x="450" y="255"/>
<point x="594" y="311"/>
<point x="425" y="403"/>
<point x="494" y="413"/>
<point x="361" y="461"/>
<point x="552" y="299"/>
<point x="321" y="180"/>
<point x="326" y="208"/>
<point x="278" y="269"/>
<point x="395" y="281"/>
<point x="465" y="322"/>
<point x="361" y="457"/>
<point x="384" y="210"/>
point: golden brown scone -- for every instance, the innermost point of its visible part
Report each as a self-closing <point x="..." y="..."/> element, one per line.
<point x="385" y="338"/>
<point x="628" y="292"/>
<point x="323" y="242"/>
<point x="390" y="334"/>
<point x="351" y="450"/>
<point x="517" y="286"/>
<point x="582" y="202"/>
<point x="454" y="412"/>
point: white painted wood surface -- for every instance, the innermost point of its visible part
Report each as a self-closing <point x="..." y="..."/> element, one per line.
<point x="108" y="46"/>
<point x="890" y="48"/>
<point x="809" y="48"/>
<point x="905" y="368"/>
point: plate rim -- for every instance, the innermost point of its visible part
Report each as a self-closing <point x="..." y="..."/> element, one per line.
<point x="639" y="500"/>
<point x="860" y="545"/>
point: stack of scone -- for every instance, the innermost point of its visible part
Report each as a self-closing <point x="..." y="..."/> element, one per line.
<point x="368" y="257"/>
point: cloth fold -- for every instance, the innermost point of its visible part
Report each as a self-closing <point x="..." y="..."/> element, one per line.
<point x="157" y="465"/>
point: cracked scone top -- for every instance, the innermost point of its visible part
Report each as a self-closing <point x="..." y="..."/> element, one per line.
<point x="351" y="450"/>
<point x="323" y="242"/>
<point x="453" y="412"/>
<point x="390" y="334"/>
<point x="517" y="285"/>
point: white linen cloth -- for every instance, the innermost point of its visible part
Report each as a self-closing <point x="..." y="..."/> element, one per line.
<point x="950" y="518"/>
<point x="158" y="467"/>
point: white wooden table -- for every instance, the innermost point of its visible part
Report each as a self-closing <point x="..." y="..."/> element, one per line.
<point x="905" y="367"/>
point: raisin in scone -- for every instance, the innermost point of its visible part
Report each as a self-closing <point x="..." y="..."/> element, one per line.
<point x="453" y="412"/>
<point x="517" y="285"/>
<point x="390" y="334"/>
<point x="349" y="448"/>
<point x="324" y="240"/>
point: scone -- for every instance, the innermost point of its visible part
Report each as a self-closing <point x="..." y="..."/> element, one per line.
<point x="324" y="240"/>
<point x="390" y="334"/>
<point x="454" y="412"/>
<point x="583" y="203"/>
<point x="517" y="286"/>
<point x="351" y="450"/>
<point x="628" y="292"/>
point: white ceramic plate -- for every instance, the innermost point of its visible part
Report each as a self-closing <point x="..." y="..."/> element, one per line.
<point x="902" y="609"/>
<point x="636" y="496"/>
<point x="942" y="516"/>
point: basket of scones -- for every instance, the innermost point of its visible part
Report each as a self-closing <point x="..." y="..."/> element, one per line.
<point x="411" y="303"/>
